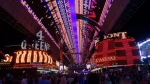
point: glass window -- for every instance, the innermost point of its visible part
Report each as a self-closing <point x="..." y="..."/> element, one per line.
<point x="118" y="44"/>
<point x="135" y="52"/>
<point x="110" y="45"/>
<point x="99" y="47"/>
<point x="120" y="52"/>
<point x="122" y="62"/>
<point x="132" y="43"/>
<point x="111" y="54"/>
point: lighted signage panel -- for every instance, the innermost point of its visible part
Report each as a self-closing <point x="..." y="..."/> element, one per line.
<point x="104" y="59"/>
<point x="39" y="44"/>
<point x="7" y="58"/>
<point x="33" y="56"/>
<point x="121" y="35"/>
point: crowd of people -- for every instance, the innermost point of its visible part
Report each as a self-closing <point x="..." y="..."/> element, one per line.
<point x="107" y="77"/>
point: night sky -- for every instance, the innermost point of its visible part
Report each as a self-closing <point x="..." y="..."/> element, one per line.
<point x="138" y="25"/>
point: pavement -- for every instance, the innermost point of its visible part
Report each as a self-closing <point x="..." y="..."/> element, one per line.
<point x="125" y="81"/>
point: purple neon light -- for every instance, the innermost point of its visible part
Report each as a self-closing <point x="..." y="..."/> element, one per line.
<point x="111" y="1"/>
<point x="73" y="17"/>
<point x="108" y="8"/>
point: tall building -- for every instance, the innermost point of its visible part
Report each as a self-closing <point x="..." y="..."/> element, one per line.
<point x="116" y="49"/>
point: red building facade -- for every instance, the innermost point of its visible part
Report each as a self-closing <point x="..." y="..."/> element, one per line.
<point x="118" y="51"/>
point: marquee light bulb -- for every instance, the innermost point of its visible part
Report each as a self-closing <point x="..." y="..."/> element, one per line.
<point x="29" y="56"/>
<point x="49" y="59"/>
<point x="40" y="56"/>
<point x="18" y="56"/>
<point x="45" y="57"/>
<point x="23" y="56"/>
<point x="35" y="56"/>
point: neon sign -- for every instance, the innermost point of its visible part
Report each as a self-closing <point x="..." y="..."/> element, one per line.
<point x="104" y="59"/>
<point x="121" y="35"/>
<point x="8" y="58"/>
<point x="39" y="44"/>
<point x="33" y="56"/>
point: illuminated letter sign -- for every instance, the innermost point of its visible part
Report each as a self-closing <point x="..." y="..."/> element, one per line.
<point x="29" y="56"/>
<point x="8" y="58"/>
<point x="112" y="58"/>
<point x="39" y="44"/>
<point x="39" y="34"/>
<point x="18" y="56"/>
<point x="40" y="56"/>
<point x="23" y="56"/>
<point x="24" y="44"/>
<point x="45" y="57"/>
<point x="121" y="35"/>
<point x="33" y="57"/>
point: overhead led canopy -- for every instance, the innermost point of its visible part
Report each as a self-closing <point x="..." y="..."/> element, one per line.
<point x="105" y="11"/>
<point x="74" y="26"/>
<point x="24" y="3"/>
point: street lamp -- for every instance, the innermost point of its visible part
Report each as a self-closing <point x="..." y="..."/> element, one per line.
<point x="88" y="66"/>
<point x="61" y="67"/>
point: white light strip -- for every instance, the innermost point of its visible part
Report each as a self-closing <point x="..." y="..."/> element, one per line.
<point x="105" y="11"/>
<point x="24" y="3"/>
<point x="140" y="44"/>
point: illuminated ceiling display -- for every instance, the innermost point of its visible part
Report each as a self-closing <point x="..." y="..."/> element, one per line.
<point x="67" y="23"/>
<point x="105" y="11"/>
<point x="59" y="18"/>
<point x="24" y="3"/>
<point x="82" y="7"/>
